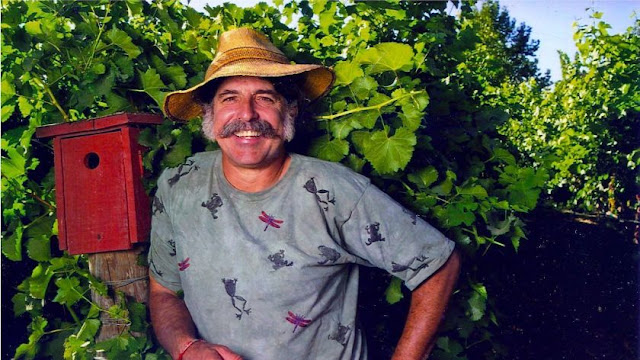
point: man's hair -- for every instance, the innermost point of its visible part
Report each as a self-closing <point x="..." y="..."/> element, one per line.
<point x="285" y="86"/>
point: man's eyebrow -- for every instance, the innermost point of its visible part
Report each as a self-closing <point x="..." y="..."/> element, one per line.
<point x="267" y="91"/>
<point x="227" y="92"/>
<point x="259" y="91"/>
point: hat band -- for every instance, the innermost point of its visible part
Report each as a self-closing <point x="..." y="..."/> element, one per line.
<point x="243" y="54"/>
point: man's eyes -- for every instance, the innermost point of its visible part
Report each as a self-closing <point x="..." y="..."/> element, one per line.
<point x="227" y="99"/>
<point x="266" y="99"/>
<point x="263" y="99"/>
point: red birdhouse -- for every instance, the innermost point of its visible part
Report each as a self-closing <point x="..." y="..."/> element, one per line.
<point x="101" y="203"/>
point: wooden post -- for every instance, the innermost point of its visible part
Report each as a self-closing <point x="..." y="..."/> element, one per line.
<point x="121" y="271"/>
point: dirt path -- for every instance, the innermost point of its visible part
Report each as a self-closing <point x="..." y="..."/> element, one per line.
<point x="571" y="292"/>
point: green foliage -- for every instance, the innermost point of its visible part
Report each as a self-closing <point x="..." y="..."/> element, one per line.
<point x="408" y="110"/>
<point x="585" y="129"/>
<point x="506" y="52"/>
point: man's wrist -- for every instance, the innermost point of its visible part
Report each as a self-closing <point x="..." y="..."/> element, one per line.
<point x="186" y="347"/>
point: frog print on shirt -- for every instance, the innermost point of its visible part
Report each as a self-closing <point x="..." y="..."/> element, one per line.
<point x="278" y="260"/>
<point x="213" y="204"/>
<point x="330" y="255"/>
<point x="341" y="335"/>
<point x="230" y="288"/>
<point x="311" y="187"/>
<point x="183" y="170"/>
<point x="422" y="260"/>
<point x="374" y="233"/>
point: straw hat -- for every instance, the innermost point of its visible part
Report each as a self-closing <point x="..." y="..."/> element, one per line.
<point x="245" y="52"/>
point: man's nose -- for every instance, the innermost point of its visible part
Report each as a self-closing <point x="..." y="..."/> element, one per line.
<point x="247" y="110"/>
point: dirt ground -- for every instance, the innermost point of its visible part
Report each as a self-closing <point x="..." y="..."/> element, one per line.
<point x="572" y="292"/>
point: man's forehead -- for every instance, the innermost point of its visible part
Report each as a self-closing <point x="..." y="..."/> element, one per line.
<point x="243" y="83"/>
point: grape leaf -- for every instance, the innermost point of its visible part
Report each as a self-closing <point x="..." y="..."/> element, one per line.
<point x="388" y="57"/>
<point x="122" y="40"/>
<point x="389" y="154"/>
<point x="152" y="85"/>
<point x="331" y="150"/>
<point x="346" y="72"/>
<point x="393" y="294"/>
<point x="179" y="151"/>
<point x="68" y="291"/>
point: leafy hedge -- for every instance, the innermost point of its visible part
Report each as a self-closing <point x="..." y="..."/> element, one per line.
<point x="586" y="129"/>
<point x="407" y="111"/>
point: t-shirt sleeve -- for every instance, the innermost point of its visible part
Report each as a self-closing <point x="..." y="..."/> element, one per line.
<point x="385" y="234"/>
<point x="162" y="251"/>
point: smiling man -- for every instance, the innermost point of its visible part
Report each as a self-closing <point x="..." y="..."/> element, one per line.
<point x="265" y="245"/>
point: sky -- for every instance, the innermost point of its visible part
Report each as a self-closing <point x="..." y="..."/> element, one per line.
<point x="550" y="21"/>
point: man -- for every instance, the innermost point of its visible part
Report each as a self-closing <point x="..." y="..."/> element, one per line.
<point x="264" y="245"/>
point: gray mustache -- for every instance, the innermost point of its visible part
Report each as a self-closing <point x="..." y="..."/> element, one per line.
<point x="259" y="125"/>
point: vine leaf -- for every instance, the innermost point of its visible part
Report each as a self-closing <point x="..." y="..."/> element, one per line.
<point x="476" y="190"/>
<point x="12" y="245"/>
<point x="346" y="72"/>
<point x="68" y="291"/>
<point x="331" y="150"/>
<point x="179" y="151"/>
<point x="39" y="281"/>
<point x="477" y="302"/>
<point x="388" y="57"/>
<point x="390" y="154"/>
<point x="39" y="233"/>
<point x="151" y="84"/>
<point x="122" y="40"/>
<point x="393" y="294"/>
<point x="424" y="177"/>
<point x="30" y="349"/>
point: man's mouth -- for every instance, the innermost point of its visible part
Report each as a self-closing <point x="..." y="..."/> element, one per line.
<point x="251" y="129"/>
<point x="247" y="133"/>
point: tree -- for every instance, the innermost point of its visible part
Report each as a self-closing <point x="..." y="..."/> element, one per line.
<point x="585" y="129"/>
<point x="505" y="50"/>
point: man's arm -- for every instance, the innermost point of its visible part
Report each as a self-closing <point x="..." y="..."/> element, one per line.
<point x="428" y="303"/>
<point x="174" y="327"/>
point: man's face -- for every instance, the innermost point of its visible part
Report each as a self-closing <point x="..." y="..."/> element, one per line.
<point x="249" y="121"/>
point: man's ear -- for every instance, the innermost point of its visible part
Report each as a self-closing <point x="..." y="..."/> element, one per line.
<point x="292" y="109"/>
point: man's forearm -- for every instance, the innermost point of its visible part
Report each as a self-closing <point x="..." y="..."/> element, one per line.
<point x="170" y="319"/>
<point x="428" y="303"/>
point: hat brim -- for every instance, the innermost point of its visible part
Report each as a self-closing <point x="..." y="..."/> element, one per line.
<point x="316" y="80"/>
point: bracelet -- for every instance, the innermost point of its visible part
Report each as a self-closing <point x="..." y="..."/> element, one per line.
<point x="186" y="347"/>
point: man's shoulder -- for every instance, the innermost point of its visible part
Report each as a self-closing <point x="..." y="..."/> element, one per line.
<point x="335" y="172"/>
<point x="200" y="163"/>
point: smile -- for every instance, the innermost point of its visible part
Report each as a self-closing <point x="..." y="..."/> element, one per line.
<point x="247" y="133"/>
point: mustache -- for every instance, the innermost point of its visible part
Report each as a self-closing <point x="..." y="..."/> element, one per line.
<point x="259" y="125"/>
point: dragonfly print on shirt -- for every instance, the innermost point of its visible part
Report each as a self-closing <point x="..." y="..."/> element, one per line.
<point x="184" y="264"/>
<point x="270" y="221"/>
<point x="297" y="321"/>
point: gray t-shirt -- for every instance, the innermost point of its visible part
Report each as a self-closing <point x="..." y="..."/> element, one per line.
<point x="273" y="275"/>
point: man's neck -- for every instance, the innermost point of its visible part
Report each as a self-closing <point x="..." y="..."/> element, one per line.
<point x="255" y="180"/>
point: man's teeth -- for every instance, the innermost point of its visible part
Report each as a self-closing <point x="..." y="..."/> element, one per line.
<point x="247" y="133"/>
